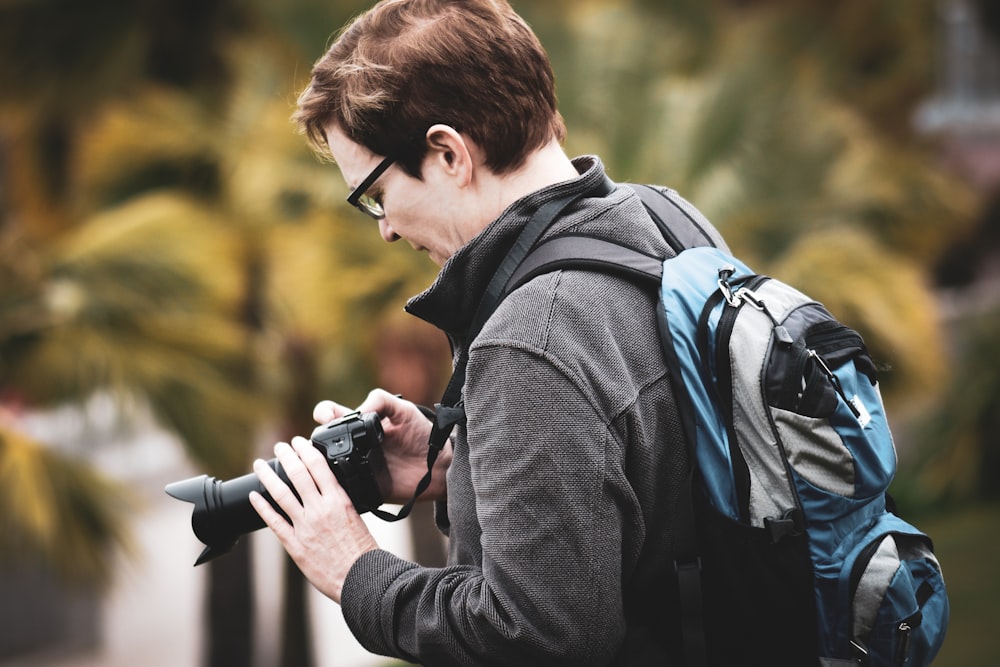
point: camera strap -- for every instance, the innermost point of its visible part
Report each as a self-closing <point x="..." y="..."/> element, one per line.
<point x="451" y="410"/>
<point x="432" y="454"/>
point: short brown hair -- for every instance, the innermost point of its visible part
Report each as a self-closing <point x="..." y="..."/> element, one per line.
<point x="405" y="65"/>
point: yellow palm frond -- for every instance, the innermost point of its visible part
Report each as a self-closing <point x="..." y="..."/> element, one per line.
<point x="58" y="511"/>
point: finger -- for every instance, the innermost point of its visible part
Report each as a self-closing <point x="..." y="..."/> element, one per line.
<point x="272" y="519"/>
<point x="327" y="411"/>
<point x="381" y="402"/>
<point x="316" y="464"/>
<point x="297" y="472"/>
<point x="278" y="490"/>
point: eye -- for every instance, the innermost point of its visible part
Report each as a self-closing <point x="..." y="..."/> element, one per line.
<point x="371" y="203"/>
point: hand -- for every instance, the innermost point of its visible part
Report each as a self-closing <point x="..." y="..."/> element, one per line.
<point x="326" y="535"/>
<point x="404" y="446"/>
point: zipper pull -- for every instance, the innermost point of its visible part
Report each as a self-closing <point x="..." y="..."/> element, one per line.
<point x="747" y="295"/>
<point x="903" y="644"/>
<point x="905" y="630"/>
<point x="785" y="338"/>
<point x="835" y="382"/>
<point x="725" y="273"/>
<point x="860" y="652"/>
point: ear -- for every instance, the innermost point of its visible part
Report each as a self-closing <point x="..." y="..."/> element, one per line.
<point x="450" y="152"/>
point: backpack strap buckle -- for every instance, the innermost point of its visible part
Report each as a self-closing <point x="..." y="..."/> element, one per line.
<point x="789" y="524"/>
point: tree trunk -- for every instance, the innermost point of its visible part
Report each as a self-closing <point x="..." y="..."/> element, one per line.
<point x="296" y="634"/>
<point x="229" y="635"/>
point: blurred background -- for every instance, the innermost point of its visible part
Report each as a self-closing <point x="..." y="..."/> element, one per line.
<point x="181" y="281"/>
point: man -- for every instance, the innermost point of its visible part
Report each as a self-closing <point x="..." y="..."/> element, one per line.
<point x="556" y="493"/>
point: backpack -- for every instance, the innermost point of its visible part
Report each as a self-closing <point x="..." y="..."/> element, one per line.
<point x="789" y="552"/>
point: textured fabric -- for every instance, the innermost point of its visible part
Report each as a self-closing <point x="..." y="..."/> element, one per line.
<point x="562" y="483"/>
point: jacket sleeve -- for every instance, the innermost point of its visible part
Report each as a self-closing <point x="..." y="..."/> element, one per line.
<point x="550" y="500"/>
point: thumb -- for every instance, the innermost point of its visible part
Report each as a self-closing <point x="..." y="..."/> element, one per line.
<point x="327" y="411"/>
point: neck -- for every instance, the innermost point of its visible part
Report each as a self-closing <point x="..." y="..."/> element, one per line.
<point x="546" y="166"/>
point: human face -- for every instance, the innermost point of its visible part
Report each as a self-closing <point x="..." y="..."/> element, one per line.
<point x="411" y="208"/>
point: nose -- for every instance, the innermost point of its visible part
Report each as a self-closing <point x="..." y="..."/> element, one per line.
<point x="386" y="231"/>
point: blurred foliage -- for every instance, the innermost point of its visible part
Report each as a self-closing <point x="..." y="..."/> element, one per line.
<point x="61" y="57"/>
<point x="959" y="459"/>
<point x="39" y="489"/>
<point x="190" y="243"/>
<point x="966" y="543"/>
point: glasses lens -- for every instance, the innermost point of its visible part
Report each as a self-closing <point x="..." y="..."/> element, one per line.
<point x="371" y="206"/>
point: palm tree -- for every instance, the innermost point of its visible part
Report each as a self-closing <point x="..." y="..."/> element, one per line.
<point x="120" y="304"/>
<point x="110" y="301"/>
<point x="127" y="303"/>
<point x="311" y="283"/>
<point x="120" y="225"/>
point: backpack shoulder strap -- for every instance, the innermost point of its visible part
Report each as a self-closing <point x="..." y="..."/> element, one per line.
<point x="682" y="225"/>
<point x="586" y="252"/>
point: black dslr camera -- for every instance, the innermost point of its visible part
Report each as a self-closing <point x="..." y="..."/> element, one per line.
<point x="222" y="510"/>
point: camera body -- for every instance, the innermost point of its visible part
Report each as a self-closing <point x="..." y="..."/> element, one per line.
<point x="222" y="510"/>
<point x="353" y="449"/>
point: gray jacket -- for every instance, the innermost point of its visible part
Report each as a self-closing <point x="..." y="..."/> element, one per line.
<point x="563" y="481"/>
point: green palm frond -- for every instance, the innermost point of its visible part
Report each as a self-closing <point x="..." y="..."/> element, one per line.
<point x="110" y="285"/>
<point x="313" y="276"/>
<point x="142" y="299"/>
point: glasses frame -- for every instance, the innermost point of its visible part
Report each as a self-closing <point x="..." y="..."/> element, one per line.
<point x="355" y="198"/>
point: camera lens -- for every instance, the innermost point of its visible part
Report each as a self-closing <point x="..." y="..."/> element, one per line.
<point x="222" y="510"/>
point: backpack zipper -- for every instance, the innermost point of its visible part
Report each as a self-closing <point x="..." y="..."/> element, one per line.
<point x="722" y="369"/>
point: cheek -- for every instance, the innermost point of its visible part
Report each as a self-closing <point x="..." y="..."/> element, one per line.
<point x="409" y="208"/>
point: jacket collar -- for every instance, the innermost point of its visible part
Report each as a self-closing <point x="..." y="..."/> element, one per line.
<point x="451" y="301"/>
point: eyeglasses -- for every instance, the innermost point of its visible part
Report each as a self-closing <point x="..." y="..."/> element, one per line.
<point x="368" y="204"/>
